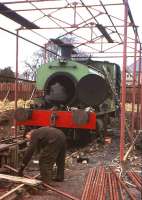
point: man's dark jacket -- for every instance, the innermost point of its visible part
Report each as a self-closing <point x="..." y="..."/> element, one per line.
<point x="41" y="137"/>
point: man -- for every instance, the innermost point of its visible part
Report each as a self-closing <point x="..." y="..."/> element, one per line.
<point x="50" y="143"/>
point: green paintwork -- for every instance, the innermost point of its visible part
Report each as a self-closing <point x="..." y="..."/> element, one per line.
<point x="75" y="69"/>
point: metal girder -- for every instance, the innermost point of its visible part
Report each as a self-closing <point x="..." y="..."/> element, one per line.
<point x="26" y="1"/>
<point x="104" y="33"/>
<point x="111" y="20"/>
<point x="99" y="26"/>
<point x="7" y="12"/>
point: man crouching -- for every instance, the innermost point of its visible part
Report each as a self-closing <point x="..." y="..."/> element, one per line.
<point x="50" y="143"/>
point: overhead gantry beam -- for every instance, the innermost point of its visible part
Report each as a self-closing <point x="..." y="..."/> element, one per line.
<point x="7" y="12"/>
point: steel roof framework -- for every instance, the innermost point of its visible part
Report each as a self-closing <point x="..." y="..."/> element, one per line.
<point x="98" y="30"/>
<point x="100" y="40"/>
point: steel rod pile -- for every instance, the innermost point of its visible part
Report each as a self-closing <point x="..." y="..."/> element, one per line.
<point x="136" y="179"/>
<point x="101" y="183"/>
<point x="104" y="184"/>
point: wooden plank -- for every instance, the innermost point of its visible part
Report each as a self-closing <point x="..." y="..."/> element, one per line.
<point x="18" y="179"/>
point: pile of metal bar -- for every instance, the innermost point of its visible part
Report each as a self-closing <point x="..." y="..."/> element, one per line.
<point x="104" y="184"/>
<point x="136" y="179"/>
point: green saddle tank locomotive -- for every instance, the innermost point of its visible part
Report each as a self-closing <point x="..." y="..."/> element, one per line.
<point x="77" y="95"/>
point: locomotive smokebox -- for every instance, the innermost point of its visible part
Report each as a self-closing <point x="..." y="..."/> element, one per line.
<point x="92" y="90"/>
<point x="60" y="87"/>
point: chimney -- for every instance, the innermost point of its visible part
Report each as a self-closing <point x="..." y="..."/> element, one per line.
<point x="66" y="51"/>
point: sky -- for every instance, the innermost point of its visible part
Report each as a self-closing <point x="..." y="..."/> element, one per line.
<point x="8" y="41"/>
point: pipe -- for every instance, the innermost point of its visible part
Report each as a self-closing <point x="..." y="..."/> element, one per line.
<point x="113" y="187"/>
<point x="137" y="177"/>
<point x="121" y="191"/>
<point x="123" y="96"/>
<point x="134" y="89"/>
<point x="135" y="181"/>
<point x="116" y="188"/>
<point x="95" y="184"/>
<point x="123" y="184"/>
<point x="61" y="192"/>
<point x="110" y="187"/>
<point x="91" y="187"/>
<point x="100" y="185"/>
<point x="102" y="192"/>
<point x="103" y="197"/>
<point x="87" y="185"/>
<point x="11" y="191"/>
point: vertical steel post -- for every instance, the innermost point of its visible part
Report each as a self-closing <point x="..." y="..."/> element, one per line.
<point x="123" y="92"/>
<point x="16" y="75"/>
<point x="139" y="92"/>
<point x="16" y="91"/>
<point x="75" y="4"/>
<point x="134" y="86"/>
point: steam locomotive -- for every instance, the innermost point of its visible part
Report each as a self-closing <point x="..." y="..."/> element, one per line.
<point x="78" y="95"/>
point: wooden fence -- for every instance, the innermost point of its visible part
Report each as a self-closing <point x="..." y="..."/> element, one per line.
<point x="129" y="91"/>
<point x="24" y="90"/>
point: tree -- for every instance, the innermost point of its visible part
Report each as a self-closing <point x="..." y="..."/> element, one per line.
<point x="33" y="64"/>
<point x="7" y="75"/>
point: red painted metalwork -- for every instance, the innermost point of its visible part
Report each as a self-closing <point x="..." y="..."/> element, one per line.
<point x="99" y="193"/>
<point x="63" y="119"/>
<point x="121" y="191"/>
<point x="27" y="40"/>
<point x="134" y="87"/>
<point x="94" y="173"/>
<point x="123" y="92"/>
<point x="113" y="187"/>
<point x="17" y="53"/>
<point x="123" y="185"/>
<point x="95" y="185"/>
<point x="26" y="1"/>
<point x="104" y="190"/>
<point x="134" y="180"/>
<point x="138" y="177"/>
<point x="139" y="92"/>
<point x="102" y="184"/>
<point x="87" y="185"/>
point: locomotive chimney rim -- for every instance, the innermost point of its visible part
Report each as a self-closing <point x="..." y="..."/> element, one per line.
<point x="66" y="51"/>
